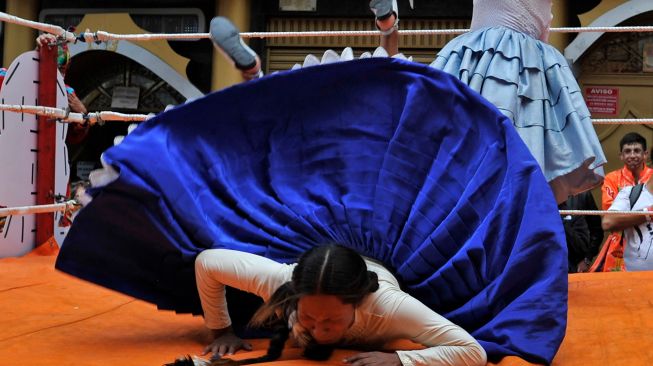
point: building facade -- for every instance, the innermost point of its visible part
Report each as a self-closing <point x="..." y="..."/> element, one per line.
<point x="615" y="70"/>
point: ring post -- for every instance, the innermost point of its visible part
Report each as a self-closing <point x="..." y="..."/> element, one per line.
<point x="45" y="156"/>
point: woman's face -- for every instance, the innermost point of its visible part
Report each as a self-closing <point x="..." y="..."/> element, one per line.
<point x="326" y="317"/>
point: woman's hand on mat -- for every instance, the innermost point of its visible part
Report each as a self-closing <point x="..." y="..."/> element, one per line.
<point x="374" y="359"/>
<point x="225" y="342"/>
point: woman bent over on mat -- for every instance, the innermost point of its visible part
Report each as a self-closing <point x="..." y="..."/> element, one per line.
<point x="332" y="297"/>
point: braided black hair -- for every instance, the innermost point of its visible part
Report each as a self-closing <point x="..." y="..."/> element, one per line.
<point x="325" y="270"/>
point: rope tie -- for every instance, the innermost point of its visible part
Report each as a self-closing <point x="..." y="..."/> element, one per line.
<point x="98" y="118"/>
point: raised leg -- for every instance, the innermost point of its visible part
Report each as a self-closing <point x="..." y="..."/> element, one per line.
<point x="227" y="40"/>
<point x="387" y="20"/>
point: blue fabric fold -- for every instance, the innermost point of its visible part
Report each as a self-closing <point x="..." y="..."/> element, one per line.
<point x="397" y="160"/>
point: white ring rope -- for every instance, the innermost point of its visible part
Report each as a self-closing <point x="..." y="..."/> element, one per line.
<point x="101" y="36"/>
<point x="66" y="116"/>
<point x="419" y="32"/>
<point x="621" y="29"/>
<point x="100" y="117"/>
<point x="623" y="121"/>
<point x="71" y="205"/>
<point x="602" y="213"/>
<point x="106" y="36"/>
<point x="48" y="28"/>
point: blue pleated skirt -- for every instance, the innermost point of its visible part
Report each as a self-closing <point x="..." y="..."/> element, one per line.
<point x="530" y="82"/>
<point x="396" y="160"/>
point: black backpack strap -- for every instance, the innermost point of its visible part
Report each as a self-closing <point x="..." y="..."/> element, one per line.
<point x="634" y="196"/>
<point x="635" y="193"/>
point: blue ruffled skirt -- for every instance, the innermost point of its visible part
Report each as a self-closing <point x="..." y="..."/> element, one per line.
<point x="530" y="82"/>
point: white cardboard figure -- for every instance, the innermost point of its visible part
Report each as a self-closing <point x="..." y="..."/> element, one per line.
<point x="18" y="155"/>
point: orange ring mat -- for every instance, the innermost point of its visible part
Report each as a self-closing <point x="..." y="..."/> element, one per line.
<point x="50" y="318"/>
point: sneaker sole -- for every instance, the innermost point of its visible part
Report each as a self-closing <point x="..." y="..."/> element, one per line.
<point x="226" y="38"/>
<point x="381" y="8"/>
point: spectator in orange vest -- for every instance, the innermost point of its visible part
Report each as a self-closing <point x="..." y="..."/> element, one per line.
<point x="634" y="154"/>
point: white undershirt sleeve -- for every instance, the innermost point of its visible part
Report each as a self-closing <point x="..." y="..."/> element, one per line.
<point x="622" y="201"/>
<point x="217" y="268"/>
<point x="445" y="342"/>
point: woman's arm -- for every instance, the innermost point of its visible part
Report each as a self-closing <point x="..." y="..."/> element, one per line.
<point x="447" y="343"/>
<point x="217" y="268"/>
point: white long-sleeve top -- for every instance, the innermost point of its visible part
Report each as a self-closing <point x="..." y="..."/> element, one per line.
<point x="384" y="315"/>
<point x="532" y="17"/>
